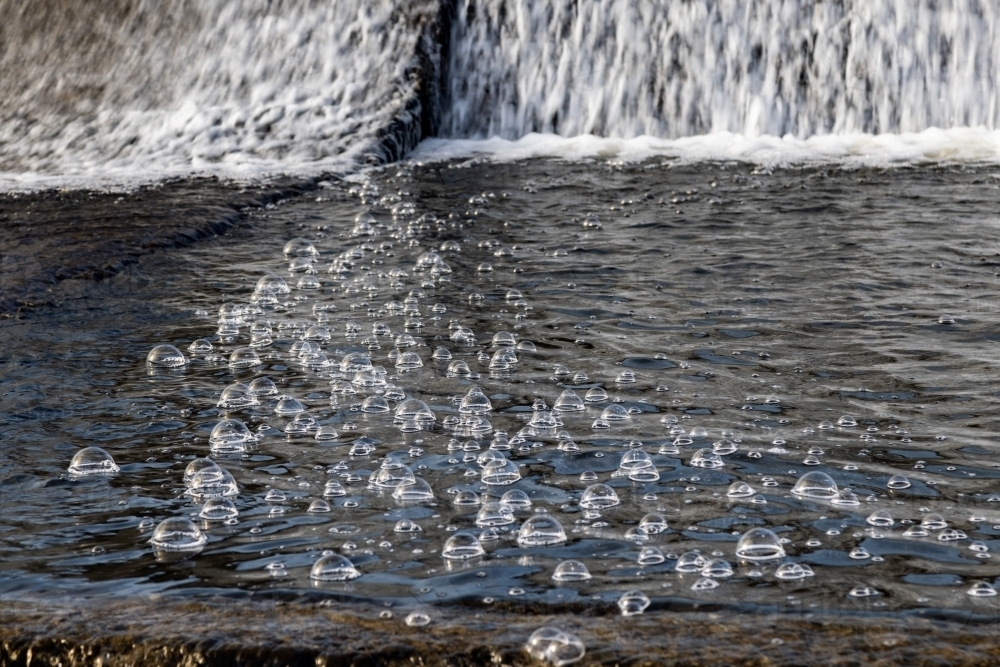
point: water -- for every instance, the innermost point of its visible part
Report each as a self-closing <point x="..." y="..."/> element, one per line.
<point x="807" y="360"/>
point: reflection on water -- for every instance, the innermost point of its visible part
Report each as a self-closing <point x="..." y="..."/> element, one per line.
<point x="542" y="383"/>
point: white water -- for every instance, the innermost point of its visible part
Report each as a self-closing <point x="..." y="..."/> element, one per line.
<point x="236" y="88"/>
<point x="247" y="89"/>
<point x="625" y="68"/>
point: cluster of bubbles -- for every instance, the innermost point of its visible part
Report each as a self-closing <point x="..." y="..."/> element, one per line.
<point x="373" y="366"/>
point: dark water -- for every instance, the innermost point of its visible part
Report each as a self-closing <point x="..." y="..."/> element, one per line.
<point x="754" y="304"/>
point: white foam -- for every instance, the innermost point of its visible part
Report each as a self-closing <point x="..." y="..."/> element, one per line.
<point x="929" y="147"/>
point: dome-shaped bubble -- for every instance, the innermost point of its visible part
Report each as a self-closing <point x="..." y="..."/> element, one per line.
<point x="880" y="518"/>
<point x="724" y="447"/>
<point x="569" y="401"/>
<point x="845" y="498"/>
<point x="236" y="396"/>
<point x="526" y="346"/>
<point x="458" y="368"/>
<point x="817" y="485"/>
<point x="375" y="405"/>
<point x="413" y="408"/>
<point x="503" y="359"/>
<point x="500" y="472"/>
<point x="317" y="332"/>
<point x="92" y="461"/>
<point x="599" y="496"/>
<point x="634" y="459"/>
<point x="571" y="570"/>
<point x="407" y="526"/>
<point x="516" y="499"/>
<point x="231" y="436"/>
<point x="262" y="386"/>
<point x="178" y="534"/>
<point x="475" y="402"/>
<point x="391" y="475"/>
<point x="272" y="282"/>
<point x="494" y="514"/>
<point x="165" y="356"/>
<point x="417" y="491"/>
<point x="706" y="458"/>
<point x="792" y="572"/>
<point x="218" y="509"/>
<point x="595" y="395"/>
<point x="504" y="339"/>
<point x="555" y="646"/>
<point x="981" y="589"/>
<point x="615" y="413"/>
<point x="333" y="567"/>
<point x="201" y="346"/>
<point x="740" y="490"/>
<point x="847" y="420"/>
<point x="717" y="568"/>
<point x="541" y="530"/>
<point x="933" y="521"/>
<point x="408" y="361"/>
<point x="632" y="603"/>
<point x="759" y="544"/>
<point x="543" y="419"/>
<point x="442" y="354"/>
<point x="289" y="405"/>
<point x="653" y="523"/>
<point x="650" y="556"/>
<point x="333" y="489"/>
<point x="898" y="482"/>
<point x="244" y="357"/>
<point x="300" y="248"/>
<point x="462" y="546"/>
<point x="198" y="465"/>
<point x="210" y="483"/>
<point x="466" y="499"/>
<point x="319" y="506"/>
<point x="354" y="362"/>
<point x="690" y="562"/>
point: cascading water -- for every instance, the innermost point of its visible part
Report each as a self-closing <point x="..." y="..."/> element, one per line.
<point x="625" y="68"/>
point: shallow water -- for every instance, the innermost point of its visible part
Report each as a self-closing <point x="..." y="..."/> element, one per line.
<point x="761" y="306"/>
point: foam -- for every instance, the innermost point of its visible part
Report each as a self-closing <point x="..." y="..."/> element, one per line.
<point x="930" y="147"/>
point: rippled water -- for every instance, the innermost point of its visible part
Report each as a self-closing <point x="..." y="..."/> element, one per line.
<point x="763" y="324"/>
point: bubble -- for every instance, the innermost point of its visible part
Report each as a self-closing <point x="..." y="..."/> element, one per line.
<point x="319" y="506"/>
<point x="846" y="498"/>
<point x="541" y="530"/>
<point x="740" y="490"/>
<point x="555" y="646"/>
<point x="231" y="436"/>
<point x="92" y="461"/>
<point x="391" y="475"/>
<point x="859" y="553"/>
<point x="288" y="405"/>
<point x="862" y="591"/>
<point x="262" y="386"/>
<point x="327" y="433"/>
<point x="236" y="396"/>
<point x="299" y="248"/>
<point x="653" y="524"/>
<point x="650" y="556"/>
<point x="417" y="619"/>
<point x="817" y="485"/>
<point x="212" y="482"/>
<point x="898" y="482"/>
<point x="759" y="544"/>
<point x="595" y="394"/>
<point x="981" y="589"/>
<point x="333" y="489"/>
<point x="933" y="521"/>
<point x="218" y="509"/>
<point x="625" y="377"/>
<point x="375" y="405"/>
<point x="408" y="361"/>
<point x="244" y="357"/>
<point x="500" y="472"/>
<point x="706" y="458"/>
<point x="571" y="570"/>
<point x="633" y="603"/>
<point x="475" y="402"/>
<point x="847" y="420"/>
<point x="494" y="514"/>
<point x="272" y="282"/>
<point x="526" y="345"/>
<point x="724" y="447"/>
<point x="599" y="496"/>
<point x="880" y="518"/>
<point x="165" y="356"/>
<point x="462" y="546"/>
<point x="614" y="413"/>
<point x="690" y="562"/>
<point x="178" y="534"/>
<point x="334" y="567"/>
<point x="201" y="346"/>
<point x="417" y="491"/>
<point x="516" y="499"/>
<point x="792" y="572"/>
<point x="413" y="409"/>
